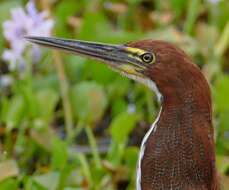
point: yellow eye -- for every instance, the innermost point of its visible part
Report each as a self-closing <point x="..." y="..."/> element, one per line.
<point x="148" y="57"/>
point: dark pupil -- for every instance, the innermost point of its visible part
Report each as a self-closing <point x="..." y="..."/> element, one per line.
<point x="147" y="57"/>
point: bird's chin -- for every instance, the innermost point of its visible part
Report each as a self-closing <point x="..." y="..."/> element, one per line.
<point x="127" y="70"/>
<point x="129" y="73"/>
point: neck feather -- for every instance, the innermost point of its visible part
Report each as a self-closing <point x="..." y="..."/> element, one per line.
<point x="178" y="150"/>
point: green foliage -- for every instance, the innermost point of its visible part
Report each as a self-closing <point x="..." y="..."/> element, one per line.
<point x="88" y="101"/>
<point x="122" y="125"/>
<point x="46" y="108"/>
<point x="9" y="184"/>
<point x="221" y="91"/>
<point x="13" y="111"/>
<point x="59" y="154"/>
<point x="48" y="181"/>
<point x="103" y="111"/>
<point x="193" y="11"/>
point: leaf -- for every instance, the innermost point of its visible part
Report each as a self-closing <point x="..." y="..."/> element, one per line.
<point x="99" y="72"/>
<point x="94" y="23"/>
<point x="47" y="100"/>
<point x="222" y="133"/>
<point x="15" y="111"/>
<point x="193" y="11"/>
<point x="75" y="67"/>
<point x="133" y="2"/>
<point x="222" y="163"/>
<point x="118" y="88"/>
<point x="223" y="43"/>
<point x="59" y="154"/>
<point x="48" y="181"/>
<point x="63" y="11"/>
<point x="89" y="101"/>
<point x="47" y="82"/>
<point x="220" y="92"/>
<point x="119" y="105"/>
<point x="8" y="169"/>
<point x="9" y="184"/>
<point x="131" y="157"/>
<point x="219" y="14"/>
<point x="178" y="6"/>
<point x="42" y="136"/>
<point x="122" y="125"/>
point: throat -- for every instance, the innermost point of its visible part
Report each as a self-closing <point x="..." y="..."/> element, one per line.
<point x="178" y="150"/>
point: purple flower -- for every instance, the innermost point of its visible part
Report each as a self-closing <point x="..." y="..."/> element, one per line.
<point x="22" y="23"/>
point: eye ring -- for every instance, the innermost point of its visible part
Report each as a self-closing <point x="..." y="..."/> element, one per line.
<point x="148" y="57"/>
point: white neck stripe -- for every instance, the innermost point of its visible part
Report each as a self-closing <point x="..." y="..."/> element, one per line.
<point x="142" y="150"/>
<point x="152" y="129"/>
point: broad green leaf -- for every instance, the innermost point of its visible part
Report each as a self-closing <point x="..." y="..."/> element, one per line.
<point x="94" y="23"/>
<point x="99" y="72"/>
<point x="63" y="11"/>
<point x="116" y="152"/>
<point x="35" y="186"/>
<point x="15" y="112"/>
<point x="47" y="100"/>
<point x="48" y="181"/>
<point x="178" y="6"/>
<point x="131" y="157"/>
<point x="119" y="105"/>
<point x="118" y="88"/>
<point x="88" y="101"/>
<point x="29" y="98"/>
<point x="49" y="81"/>
<point x="9" y="184"/>
<point x="222" y="129"/>
<point x="221" y="93"/>
<point x="59" y="154"/>
<point x="122" y="125"/>
<point x="75" y="67"/>
<point x="133" y="2"/>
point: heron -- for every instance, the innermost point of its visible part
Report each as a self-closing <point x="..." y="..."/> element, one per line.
<point x="177" y="152"/>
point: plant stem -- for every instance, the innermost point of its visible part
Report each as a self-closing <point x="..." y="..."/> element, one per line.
<point x="223" y="43"/>
<point x="193" y="9"/>
<point x="64" y="88"/>
<point x="84" y="165"/>
<point x="94" y="147"/>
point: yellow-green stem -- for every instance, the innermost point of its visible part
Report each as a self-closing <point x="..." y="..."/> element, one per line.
<point x="64" y="88"/>
<point x="94" y="147"/>
<point x="223" y="43"/>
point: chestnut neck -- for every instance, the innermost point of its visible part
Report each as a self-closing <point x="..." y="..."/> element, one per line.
<point x="180" y="151"/>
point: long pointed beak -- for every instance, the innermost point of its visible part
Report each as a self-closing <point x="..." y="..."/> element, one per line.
<point x="113" y="55"/>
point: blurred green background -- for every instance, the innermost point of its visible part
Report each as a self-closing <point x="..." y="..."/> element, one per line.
<point x="68" y="123"/>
